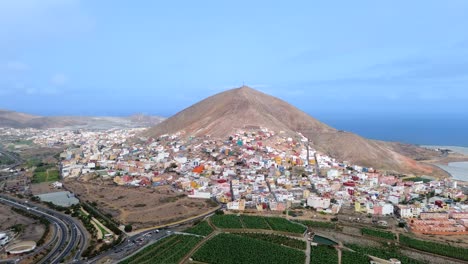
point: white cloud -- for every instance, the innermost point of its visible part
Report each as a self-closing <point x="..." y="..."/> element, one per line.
<point x="59" y="79"/>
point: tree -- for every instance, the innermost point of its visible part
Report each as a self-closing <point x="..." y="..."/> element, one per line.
<point x="219" y="212"/>
<point x="128" y="228"/>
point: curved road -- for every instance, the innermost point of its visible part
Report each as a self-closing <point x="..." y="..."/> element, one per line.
<point x="70" y="234"/>
<point x="152" y="234"/>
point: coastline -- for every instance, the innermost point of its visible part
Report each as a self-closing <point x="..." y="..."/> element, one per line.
<point x="457" y="168"/>
<point x="456" y="172"/>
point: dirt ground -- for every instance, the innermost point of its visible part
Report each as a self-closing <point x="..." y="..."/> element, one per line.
<point x="33" y="230"/>
<point x="44" y="187"/>
<point x="457" y="241"/>
<point x="141" y="207"/>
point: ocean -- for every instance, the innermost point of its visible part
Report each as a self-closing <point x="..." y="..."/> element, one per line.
<point x="442" y="132"/>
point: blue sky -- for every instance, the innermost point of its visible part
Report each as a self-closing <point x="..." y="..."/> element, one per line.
<point x="329" y="58"/>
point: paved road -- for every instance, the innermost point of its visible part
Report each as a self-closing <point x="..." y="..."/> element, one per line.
<point x="70" y="235"/>
<point x="136" y="242"/>
<point x="17" y="160"/>
<point x="62" y="230"/>
<point x="133" y="244"/>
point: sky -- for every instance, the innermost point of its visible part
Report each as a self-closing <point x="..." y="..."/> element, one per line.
<point x="332" y="59"/>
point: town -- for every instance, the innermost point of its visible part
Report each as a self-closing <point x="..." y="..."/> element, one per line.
<point x="254" y="171"/>
<point x="258" y="169"/>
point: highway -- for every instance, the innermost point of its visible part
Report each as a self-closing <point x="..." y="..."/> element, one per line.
<point x="12" y="157"/>
<point x="134" y="243"/>
<point x="69" y="234"/>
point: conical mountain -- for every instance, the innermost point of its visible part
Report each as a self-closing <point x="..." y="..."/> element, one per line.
<point x="226" y="112"/>
<point x="222" y="114"/>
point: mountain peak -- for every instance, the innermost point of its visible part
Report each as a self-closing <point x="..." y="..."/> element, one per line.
<point x="227" y="112"/>
<point x="245" y="91"/>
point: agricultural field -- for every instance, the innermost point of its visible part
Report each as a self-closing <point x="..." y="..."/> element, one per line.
<point x="378" y="233"/>
<point x="168" y="250"/>
<point x="323" y="255"/>
<point x="281" y="224"/>
<point x="348" y="257"/>
<point x="317" y="224"/>
<point x="45" y="173"/>
<point x="46" y="176"/>
<point x="436" y="248"/>
<point x="383" y="252"/>
<point x="227" y="221"/>
<point x="234" y="249"/>
<point x="201" y="229"/>
<point x="254" y="222"/>
<point x="278" y="239"/>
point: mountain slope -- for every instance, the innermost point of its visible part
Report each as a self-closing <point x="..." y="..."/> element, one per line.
<point x="22" y="120"/>
<point x="226" y="112"/>
<point x="13" y="119"/>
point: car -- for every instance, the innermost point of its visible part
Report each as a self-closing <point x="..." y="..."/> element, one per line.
<point x="157" y="230"/>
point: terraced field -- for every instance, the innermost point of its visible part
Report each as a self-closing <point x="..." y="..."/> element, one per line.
<point x="257" y="222"/>
<point x="201" y="229"/>
<point x="235" y="249"/>
<point x="168" y="250"/>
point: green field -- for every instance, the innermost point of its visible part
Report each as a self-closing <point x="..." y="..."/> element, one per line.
<point x="348" y="257"/>
<point x="202" y="229"/>
<point x="383" y="252"/>
<point x="281" y="224"/>
<point x="49" y="175"/>
<point x="317" y="224"/>
<point x="234" y="249"/>
<point x="256" y="222"/>
<point x="167" y="250"/>
<point x="278" y="239"/>
<point x="323" y="255"/>
<point x="378" y="233"/>
<point x="227" y="221"/>
<point x="436" y="248"/>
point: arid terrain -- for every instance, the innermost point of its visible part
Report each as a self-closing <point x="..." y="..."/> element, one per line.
<point x="224" y="113"/>
<point x="23" y="120"/>
<point x="141" y="207"/>
<point x="32" y="230"/>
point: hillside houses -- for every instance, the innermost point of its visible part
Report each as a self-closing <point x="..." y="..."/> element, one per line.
<point x="254" y="170"/>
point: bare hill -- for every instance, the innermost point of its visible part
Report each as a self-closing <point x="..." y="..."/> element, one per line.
<point x="226" y="112"/>
<point x="21" y="120"/>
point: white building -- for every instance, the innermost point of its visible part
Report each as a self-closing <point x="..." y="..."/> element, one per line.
<point x="4" y="239"/>
<point x="200" y="195"/>
<point x="409" y="211"/>
<point x="318" y="202"/>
